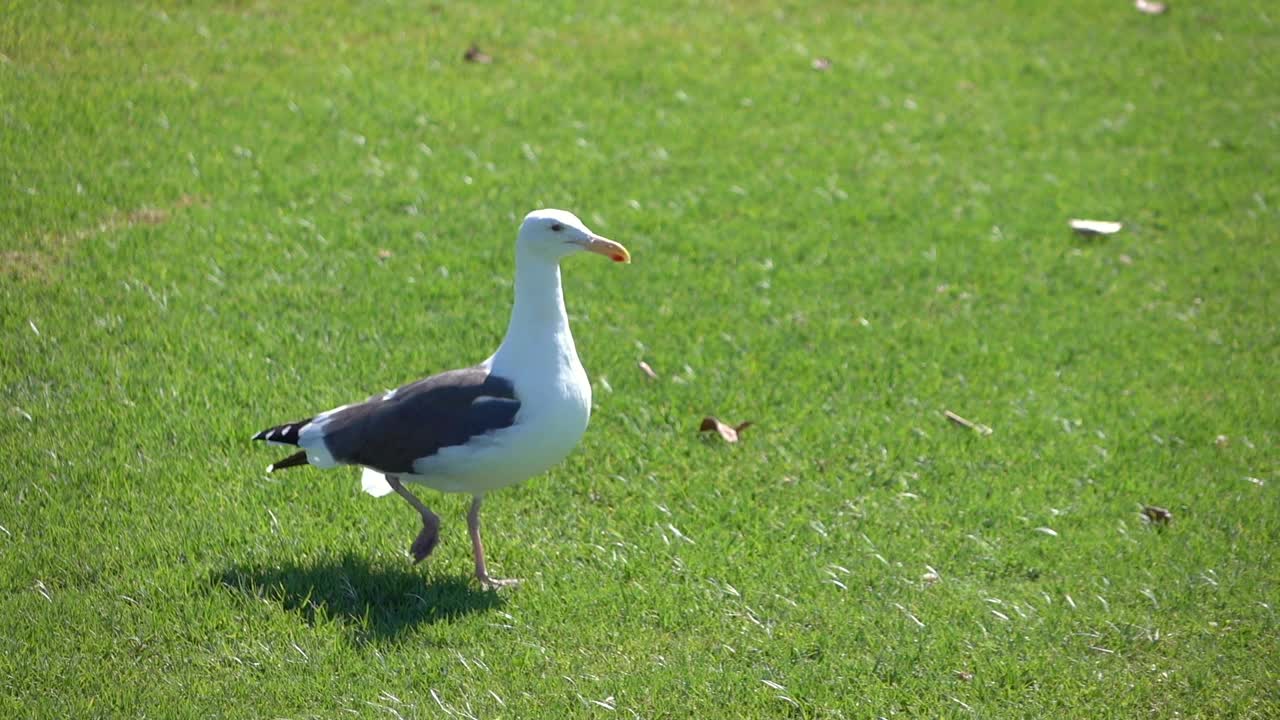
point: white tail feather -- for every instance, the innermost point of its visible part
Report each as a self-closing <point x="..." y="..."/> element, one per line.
<point x="374" y="482"/>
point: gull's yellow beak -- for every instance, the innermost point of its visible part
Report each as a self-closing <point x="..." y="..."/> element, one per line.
<point x="608" y="248"/>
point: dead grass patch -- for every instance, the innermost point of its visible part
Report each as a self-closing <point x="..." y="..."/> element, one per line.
<point x="49" y="250"/>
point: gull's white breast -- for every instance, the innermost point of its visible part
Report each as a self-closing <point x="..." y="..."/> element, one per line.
<point x="553" y="416"/>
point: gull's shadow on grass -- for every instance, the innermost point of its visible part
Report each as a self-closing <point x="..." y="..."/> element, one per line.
<point x="374" y="602"/>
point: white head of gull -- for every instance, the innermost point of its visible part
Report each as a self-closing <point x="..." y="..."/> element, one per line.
<point x="479" y="428"/>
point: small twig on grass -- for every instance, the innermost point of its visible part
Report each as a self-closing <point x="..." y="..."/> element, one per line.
<point x="1095" y="228"/>
<point x="647" y="370"/>
<point x="968" y="424"/>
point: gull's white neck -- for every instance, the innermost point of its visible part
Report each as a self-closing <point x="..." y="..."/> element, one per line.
<point x="538" y="341"/>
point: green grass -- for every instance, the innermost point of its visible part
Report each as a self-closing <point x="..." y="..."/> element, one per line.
<point x="193" y="197"/>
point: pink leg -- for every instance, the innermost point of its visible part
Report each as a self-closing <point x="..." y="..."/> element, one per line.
<point x="430" y="535"/>
<point x="477" y="548"/>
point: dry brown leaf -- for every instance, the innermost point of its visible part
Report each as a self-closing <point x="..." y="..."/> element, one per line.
<point x="729" y="432"/>
<point x="1157" y="514"/>
<point x="476" y="55"/>
<point x="1151" y="8"/>
<point x="644" y="367"/>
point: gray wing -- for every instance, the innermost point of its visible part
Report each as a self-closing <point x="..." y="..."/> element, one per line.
<point x="389" y="432"/>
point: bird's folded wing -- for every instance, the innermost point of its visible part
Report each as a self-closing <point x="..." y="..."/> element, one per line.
<point x="388" y="433"/>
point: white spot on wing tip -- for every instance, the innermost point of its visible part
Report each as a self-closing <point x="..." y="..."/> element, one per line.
<point x="271" y="468"/>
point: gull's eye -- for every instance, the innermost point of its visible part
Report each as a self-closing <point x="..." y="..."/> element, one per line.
<point x="556" y="227"/>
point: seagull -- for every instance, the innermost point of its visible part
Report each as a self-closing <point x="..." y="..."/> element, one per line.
<point x="479" y="428"/>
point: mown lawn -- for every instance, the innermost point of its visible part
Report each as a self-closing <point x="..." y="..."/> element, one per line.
<point x="215" y="216"/>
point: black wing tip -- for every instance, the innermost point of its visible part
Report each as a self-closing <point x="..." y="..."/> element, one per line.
<point x="298" y="458"/>
<point x="286" y="434"/>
